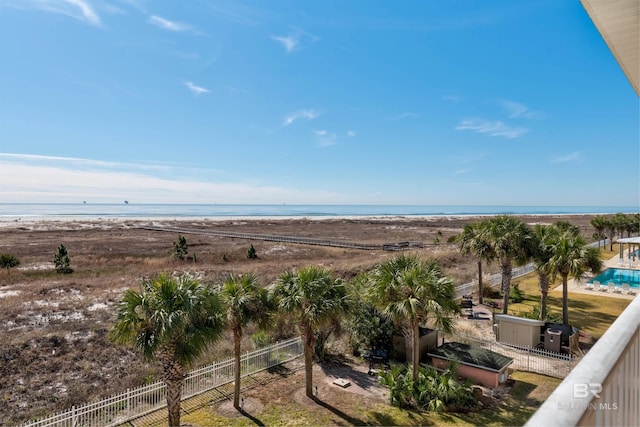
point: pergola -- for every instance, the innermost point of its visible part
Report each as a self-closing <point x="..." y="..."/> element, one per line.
<point x="632" y="242"/>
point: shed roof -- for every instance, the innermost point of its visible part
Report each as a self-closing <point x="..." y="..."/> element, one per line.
<point x="520" y="320"/>
<point x="472" y="356"/>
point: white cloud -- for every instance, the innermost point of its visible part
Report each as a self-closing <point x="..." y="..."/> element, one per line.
<point x="325" y="138"/>
<point x="196" y="90"/>
<point x="518" y="110"/>
<point x="44" y="179"/>
<point x="308" y="114"/>
<point x="168" y="25"/>
<point x="406" y="115"/>
<point x="80" y="10"/>
<point x="352" y="133"/>
<point x="492" y="128"/>
<point x="571" y="157"/>
<point x="294" y="41"/>
<point x="289" y="43"/>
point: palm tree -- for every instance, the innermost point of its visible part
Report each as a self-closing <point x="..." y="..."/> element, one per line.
<point x="472" y="241"/>
<point x="314" y="298"/>
<point x="246" y="301"/>
<point x="173" y="321"/>
<point x="510" y="239"/>
<point x="571" y="255"/>
<point x="544" y="236"/>
<point x="415" y="293"/>
<point x="600" y="224"/>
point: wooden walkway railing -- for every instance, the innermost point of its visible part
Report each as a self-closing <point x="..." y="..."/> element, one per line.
<point x="290" y="239"/>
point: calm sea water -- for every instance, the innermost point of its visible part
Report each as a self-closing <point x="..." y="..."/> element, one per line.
<point x="132" y="210"/>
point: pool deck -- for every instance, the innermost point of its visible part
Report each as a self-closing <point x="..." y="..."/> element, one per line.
<point x="579" y="287"/>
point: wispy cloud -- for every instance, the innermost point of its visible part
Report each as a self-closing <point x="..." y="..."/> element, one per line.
<point x="325" y="138"/>
<point x="517" y="110"/>
<point x="309" y="114"/>
<point x="461" y="171"/>
<point x="492" y="128"/>
<point x="406" y="115"/>
<point x="289" y="43"/>
<point x="169" y="25"/>
<point x="352" y="133"/>
<point x="80" y="10"/>
<point x="44" y="179"/>
<point x="196" y="90"/>
<point x="294" y="41"/>
<point x="571" y="157"/>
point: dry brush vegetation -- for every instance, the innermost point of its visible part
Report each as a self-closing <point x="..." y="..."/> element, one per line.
<point x="55" y="352"/>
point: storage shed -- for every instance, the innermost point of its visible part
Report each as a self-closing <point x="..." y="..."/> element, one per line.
<point x="478" y="364"/>
<point x="518" y="330"/>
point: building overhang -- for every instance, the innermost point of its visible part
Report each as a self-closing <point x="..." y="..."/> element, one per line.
<point x="618" y="22"/>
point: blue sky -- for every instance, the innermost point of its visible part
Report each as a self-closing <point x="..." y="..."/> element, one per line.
<point x="313" y="102"/>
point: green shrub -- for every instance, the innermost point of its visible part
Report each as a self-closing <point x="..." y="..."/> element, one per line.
<point x="535" y="314"/>
<point x="251" y="253"/>
<point x="62" y="261"/>
<point x="180" y="248"/>
<point x="261" y="339"/>
<point x="433" y="391"/>
<point x="369" y="328"/>
<point x="489" y="292"/>
<point x="8" y="261"/>
<point x="515" y="294"/>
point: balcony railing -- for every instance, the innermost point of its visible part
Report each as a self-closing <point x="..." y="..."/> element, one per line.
<point x="604" y="388"/>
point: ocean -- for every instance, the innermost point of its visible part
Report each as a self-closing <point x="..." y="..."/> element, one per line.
<point x="132" y="210"/>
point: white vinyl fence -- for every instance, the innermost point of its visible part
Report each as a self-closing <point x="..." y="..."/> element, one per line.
<point x="493" y="281"/>
<point x="136" y="402"/>
<point x="527" y="359"/>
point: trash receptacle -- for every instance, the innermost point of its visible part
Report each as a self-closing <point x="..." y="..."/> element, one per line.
<point x="553" y="340"/>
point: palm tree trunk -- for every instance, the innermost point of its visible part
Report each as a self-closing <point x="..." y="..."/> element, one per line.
<point x="173" y="376"/>
<point x="506" y="285"/>
<point x="479" y="281"/>
<point x="543" y="280"/>
<point x="415" y="349"/>
<point x="237" y="336"/>
<point x="308" y="362"/>
<point x="565" y="299"/>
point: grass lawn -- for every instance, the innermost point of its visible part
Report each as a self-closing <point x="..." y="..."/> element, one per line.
<point x="340" y="407"/>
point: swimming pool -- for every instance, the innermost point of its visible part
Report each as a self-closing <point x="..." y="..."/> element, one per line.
<point x="618" y="276"/>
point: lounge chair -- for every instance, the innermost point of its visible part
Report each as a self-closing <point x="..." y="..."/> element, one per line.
<point x="616" y="289"/>
<point x="603" y="287"/>
<point x="625" y="288"/>
<point x="611" y="287"/>
<point x="589" y="285"/>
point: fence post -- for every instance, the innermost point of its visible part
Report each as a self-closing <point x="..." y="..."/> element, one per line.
<point x="74" y="421"/>
<point x="128" y="402"/>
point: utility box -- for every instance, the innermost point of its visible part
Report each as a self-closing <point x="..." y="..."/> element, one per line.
<point x="517" y="330"/>
<point x="553" y="340"/>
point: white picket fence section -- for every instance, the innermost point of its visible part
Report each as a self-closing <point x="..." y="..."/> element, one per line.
<point x="527" y="359"/>
<point x="140" y="401"/>
<point x="492" y="281"/>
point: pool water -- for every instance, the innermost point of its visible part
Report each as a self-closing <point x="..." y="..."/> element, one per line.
<point x="619" y="276"/>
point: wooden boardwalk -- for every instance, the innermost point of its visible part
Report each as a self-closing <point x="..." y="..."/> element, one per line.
<point x="290" y="239"/>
